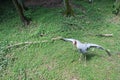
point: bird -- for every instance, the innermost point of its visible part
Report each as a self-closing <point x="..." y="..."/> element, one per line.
<point x="84" y="47"/>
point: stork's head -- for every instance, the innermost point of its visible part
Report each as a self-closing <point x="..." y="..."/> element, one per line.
<point x="74" y="42"/>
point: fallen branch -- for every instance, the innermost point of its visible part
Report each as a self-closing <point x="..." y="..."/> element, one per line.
<point x="35" y="42"/>
<point x="56" y="38"/>
<point x="23" y="43"/>
<point x="105" y="35"/>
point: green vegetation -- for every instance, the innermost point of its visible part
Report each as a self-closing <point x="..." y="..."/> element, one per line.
<point x="59" y="60"/>
<point x="116" y="7"/>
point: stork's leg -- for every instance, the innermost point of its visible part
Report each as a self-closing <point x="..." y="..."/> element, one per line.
<point x="84" y="59"/>
<point x="80" y="57"/>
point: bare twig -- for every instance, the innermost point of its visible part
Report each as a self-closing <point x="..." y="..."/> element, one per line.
<point x="29" y="43"/>
<point x="56" y="38"/>
<point x="23" y="43"/>
<point x="105" y="35"/>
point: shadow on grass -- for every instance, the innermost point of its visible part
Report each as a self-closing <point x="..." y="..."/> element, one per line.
<point x="91" y="55"/>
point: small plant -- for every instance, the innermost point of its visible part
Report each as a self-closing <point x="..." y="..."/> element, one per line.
<point x="3" y="52"/>
<point x="116" y="7"/>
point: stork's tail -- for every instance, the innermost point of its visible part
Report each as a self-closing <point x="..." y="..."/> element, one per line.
<point x="107" y="51"/>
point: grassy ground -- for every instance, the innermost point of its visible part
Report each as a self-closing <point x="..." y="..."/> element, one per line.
<point x="59" y="60"/>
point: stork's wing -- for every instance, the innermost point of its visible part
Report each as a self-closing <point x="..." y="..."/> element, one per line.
<point x="97" y="46"/>
<point x="94" y="46"/>
<point x="67" y="39"/>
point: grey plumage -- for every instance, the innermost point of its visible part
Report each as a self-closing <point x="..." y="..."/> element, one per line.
<point x="84" y="47"/>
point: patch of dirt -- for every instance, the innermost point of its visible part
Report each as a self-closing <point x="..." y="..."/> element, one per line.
<point x="44" y="3"/>
<point x="115" y="19"/>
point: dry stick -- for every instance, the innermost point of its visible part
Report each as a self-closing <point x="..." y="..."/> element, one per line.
<point x="23" y="43"/>
<point x="56" y="38"/>
<point x="24" y="47"/>
<point x="105" y="35"/>
<point x="36" y="42"/>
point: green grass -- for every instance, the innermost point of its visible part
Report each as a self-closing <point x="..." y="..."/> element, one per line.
<point x="60" y="60"/>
